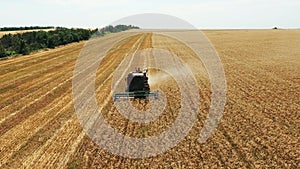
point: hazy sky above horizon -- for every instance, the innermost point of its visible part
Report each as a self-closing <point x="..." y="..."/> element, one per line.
<point x="203" y="14"/>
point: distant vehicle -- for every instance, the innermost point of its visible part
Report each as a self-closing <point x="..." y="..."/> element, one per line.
<point x="137" y="86"/>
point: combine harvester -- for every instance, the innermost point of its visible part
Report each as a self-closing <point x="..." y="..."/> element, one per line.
<point x="137" y="86"/>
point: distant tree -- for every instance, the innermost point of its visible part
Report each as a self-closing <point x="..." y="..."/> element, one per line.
<point x="53" y="41"/>
<point x="112" y="29"/>
<point x="25" y="28"/>
<point x="2" y="51"/>
<point x="24" y="49"/>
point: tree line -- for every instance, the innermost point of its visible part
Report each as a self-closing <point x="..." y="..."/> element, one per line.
<point x="25" y="28"/>
<point x="114" y="29"/>
<point x="25" y="43"/>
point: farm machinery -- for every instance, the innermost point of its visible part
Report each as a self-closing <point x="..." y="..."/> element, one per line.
<point x="137" y="86"/>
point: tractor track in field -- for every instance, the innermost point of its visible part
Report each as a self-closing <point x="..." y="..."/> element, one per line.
<point x="32" y="88"/>
<point x="23" y="73"/>
<point x="26" y="61"/>
<point x="44" y="70"/>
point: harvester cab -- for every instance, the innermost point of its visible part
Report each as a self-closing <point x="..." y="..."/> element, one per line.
<point x="137" y="86"/>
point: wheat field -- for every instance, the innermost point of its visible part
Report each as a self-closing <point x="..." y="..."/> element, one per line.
<point x="259" y="129"/>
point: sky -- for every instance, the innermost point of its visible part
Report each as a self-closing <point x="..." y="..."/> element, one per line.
<point x="203" y="14"/>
